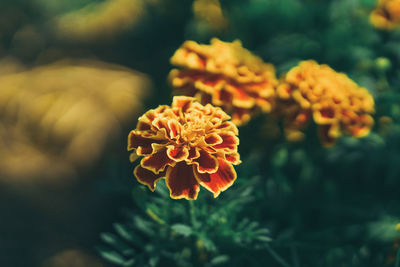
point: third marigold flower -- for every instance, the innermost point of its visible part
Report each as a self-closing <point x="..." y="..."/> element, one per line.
<point x="335" y="102"/>
<point x="189" y="145"/>
<point x="386" y="16"/>
<point x="226" y="75"/>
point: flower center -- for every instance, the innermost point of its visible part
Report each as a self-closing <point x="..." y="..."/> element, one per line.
<point x="193" y="129"/>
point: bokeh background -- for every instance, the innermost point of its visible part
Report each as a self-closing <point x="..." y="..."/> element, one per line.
<point x="75" y="76"/>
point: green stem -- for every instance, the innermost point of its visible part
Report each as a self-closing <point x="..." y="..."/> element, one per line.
<point x="192" y="213"/>
<point x="277" y="257"/>
<point x="397" y="264"/>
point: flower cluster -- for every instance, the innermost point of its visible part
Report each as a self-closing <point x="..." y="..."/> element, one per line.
<point x="331" y="99"/>
<point x="189" y="145"/>
<point x="226" y="75"/>
<point x="386" y="16"/>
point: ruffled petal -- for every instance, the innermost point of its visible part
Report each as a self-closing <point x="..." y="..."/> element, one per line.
<point x="229" y="142"/>
<point x="181" y="182"/>
<point x="161" y="125"/>
<point x="233" y="158"/>
<point x="241" y="99"/>
<point x="213" y="139"/>
<point x="228" y="126"/>
<point x="174" y="128"/>
<point x="147" y="177"/>
<point x="220" y="180"/>
<point x="157" y="161"/>
<point x="206" y="163"/>
<point x="133" y="156"/>
<point x="241" y="116"/>
<point x="182" y="102"/>
<point x="177" y="153"/>
<point x="143" y="141"/>
<point x="328" y="134"/>
<point x="193" y="153"/>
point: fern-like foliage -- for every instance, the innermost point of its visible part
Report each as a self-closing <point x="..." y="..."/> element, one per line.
<point x="159" y="231"/>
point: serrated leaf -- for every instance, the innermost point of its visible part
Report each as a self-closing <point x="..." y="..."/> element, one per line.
<point x="182" y="229"/>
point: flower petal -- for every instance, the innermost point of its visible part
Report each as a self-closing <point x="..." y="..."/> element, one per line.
<point x="328" y="134"/>
<point x="182" y="182"/>
<point x="157" y="161"/>
<point x="241" y="116"/>
<point x="142" y="141"/>
<point x="213" y="139"/>
<point x="241" y="99"/>
<point x="220" y="180"/>
<point x="174" y="128"/>
<point x="193" y="153"/>
<point x="177" y="153"/>
<point x="206" y="163"/>
<point x="228" y="127"/>
<point x="233" y="158"/>
<point x="229" y="142"/>
<point x="147" y="177"/>
<point x="182" y="102"/>
<point x="133" y="156"/>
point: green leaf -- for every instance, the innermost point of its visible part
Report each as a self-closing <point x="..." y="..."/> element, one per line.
<point x="219" y="260"/>
<point x="122" y="231"/>
<point x="109" y="238"/>
<point x="129" y="263"/>
<point x="182" y="229"/>
<point x="113" y="257"/>
<point x="263" y="238"/>
<point x="154" y="261"/>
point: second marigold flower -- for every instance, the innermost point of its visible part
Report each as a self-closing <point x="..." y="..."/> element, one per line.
<point x="189" y="145"/>
<point x="337" y="104"/>
<point x="226" y="75"/>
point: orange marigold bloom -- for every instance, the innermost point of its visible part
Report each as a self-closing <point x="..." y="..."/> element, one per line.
<point x="386" y="16"/>
<point x="188" y="144"/>
<point x="331" y="99"/>
<point x="226" y="75"/>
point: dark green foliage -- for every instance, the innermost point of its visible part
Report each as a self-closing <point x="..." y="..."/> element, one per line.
<point x="205" y="232"/>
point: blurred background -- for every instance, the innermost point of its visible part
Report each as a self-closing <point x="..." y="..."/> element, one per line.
<point x="75" y="76"/>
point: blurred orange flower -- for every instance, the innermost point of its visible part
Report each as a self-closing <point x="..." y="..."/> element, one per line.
<point x="226" y="75"/>
<point x="188" y="144"/>
<point x="331" y="99"/>
<point x="102" y="21"/>
<point x="386" y="16"/>
<point x="46" y="116"/>
<point x="210" y="13"/>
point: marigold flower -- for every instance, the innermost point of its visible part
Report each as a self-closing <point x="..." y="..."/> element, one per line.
<point x="226" y="75"/>
<point x="187" y="144"/>
<point x="331" y="99"/>
<point x="386" y="16"/>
